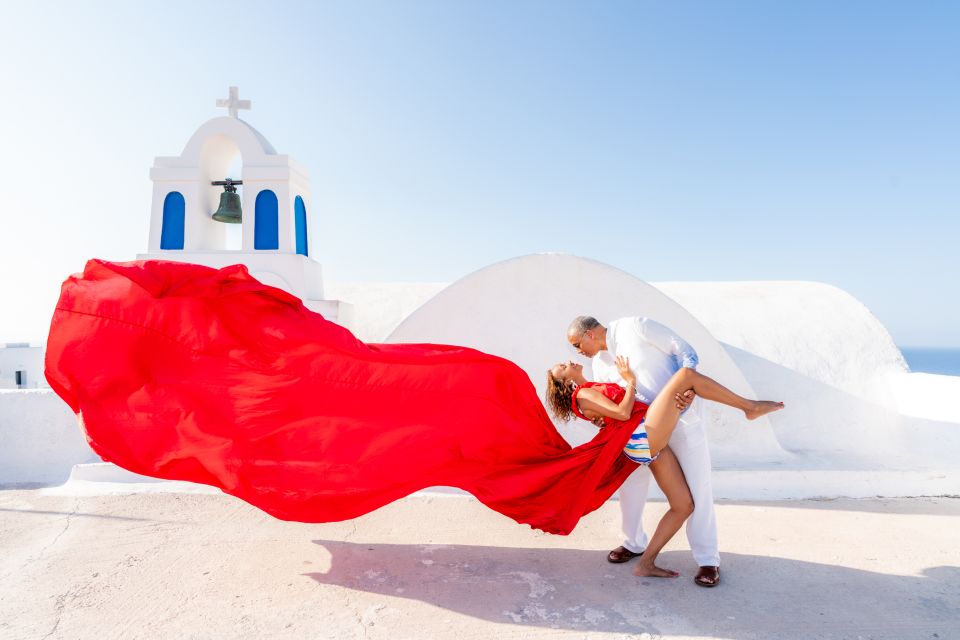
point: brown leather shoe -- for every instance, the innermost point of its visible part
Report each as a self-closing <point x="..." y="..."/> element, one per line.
<point x="707" y="576"/>
<point x="622" y="554"/>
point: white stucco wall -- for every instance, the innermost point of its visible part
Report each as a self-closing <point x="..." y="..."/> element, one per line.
<point x="852" y="403"/>
<point x="814" y="329"/>
<point x="379" y="307"/>
<point x="40" y="440"/>
<point x="811" y="345"/>
<point x="22" y="358"/>
<point x="928" y="396"/>
<point x="520" y="309"/>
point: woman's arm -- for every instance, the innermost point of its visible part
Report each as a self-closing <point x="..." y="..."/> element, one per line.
<point x="592" y="402"/>
<point x="595" y="402"/>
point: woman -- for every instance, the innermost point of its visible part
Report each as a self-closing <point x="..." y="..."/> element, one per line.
<point x="570" y="394"/>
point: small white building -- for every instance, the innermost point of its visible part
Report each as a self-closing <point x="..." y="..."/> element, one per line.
<point x="278" y="217"/>
<point x="21" y="366"/>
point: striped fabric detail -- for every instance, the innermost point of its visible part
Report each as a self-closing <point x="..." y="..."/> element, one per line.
<point x="638" y="448"/>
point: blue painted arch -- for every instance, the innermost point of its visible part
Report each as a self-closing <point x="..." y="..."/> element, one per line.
<point x="265" y="221"/>
<point x="300" y="221"/>
<point x="171" y="233"/>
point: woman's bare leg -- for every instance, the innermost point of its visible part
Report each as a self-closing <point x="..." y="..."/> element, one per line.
<point x="668" y="474"/>
<point x="663" y="414"/>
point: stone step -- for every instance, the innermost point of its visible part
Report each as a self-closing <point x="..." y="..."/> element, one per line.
<point x="728" y="484"/>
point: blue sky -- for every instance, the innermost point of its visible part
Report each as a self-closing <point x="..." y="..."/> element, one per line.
<point x="676" y="140"/>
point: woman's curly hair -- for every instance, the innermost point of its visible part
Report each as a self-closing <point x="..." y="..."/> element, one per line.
<point x="560" y="397"/>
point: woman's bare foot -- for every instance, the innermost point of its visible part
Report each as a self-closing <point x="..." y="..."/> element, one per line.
<point x="653" y="571"/>
<point x="762" y="408"/>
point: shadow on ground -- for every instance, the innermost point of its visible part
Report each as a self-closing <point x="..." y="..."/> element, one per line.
<point x="760" y="597"/>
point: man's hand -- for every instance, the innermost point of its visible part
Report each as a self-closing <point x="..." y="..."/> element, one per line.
<point x="684" y="399"/>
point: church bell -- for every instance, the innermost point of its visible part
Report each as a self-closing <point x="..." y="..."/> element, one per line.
<point x="229" y="210"/>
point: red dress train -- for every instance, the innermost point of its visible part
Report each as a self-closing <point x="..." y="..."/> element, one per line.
<point x="186" y="372"/>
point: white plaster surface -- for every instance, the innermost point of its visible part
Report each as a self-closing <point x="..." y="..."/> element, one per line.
<point x="520" y="309"/>
<point x="211" y="566"/>
<point x="379" y="307"/>
<point x="27" y="358"/>
<point x="811" y="328"/>
<point x="811" y="345"/>
<point x="104" y="478"/>
<point x="770" y="483"/>
<point x="40" y="438"/>
<point x="928" y="396"/>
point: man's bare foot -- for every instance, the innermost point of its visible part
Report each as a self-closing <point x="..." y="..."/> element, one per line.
<point x="653" y="571"/>
<point x="762" y="408"/>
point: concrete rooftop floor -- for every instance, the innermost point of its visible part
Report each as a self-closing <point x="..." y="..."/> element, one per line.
<point x="168" y="565"/>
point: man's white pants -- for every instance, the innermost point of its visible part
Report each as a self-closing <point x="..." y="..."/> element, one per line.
<point x="689" y="443"/>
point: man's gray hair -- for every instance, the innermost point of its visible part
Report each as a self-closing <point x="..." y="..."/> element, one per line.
<point x="582" y="324"/>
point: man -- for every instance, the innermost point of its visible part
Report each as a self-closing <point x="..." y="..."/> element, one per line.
<point x="655" y="354"/>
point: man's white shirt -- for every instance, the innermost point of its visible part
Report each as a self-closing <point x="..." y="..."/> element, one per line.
<point x="655" y="354"/>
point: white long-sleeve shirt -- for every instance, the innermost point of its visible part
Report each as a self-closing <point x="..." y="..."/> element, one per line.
<point x="654" y="350"/>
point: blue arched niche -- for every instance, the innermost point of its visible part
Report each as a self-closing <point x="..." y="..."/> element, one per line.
<point x="265" y="234"/>
<point x="300" y="220"/>
<point x="171" y="234"/>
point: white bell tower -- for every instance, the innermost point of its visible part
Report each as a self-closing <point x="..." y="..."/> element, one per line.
<point x="278" y="218"/>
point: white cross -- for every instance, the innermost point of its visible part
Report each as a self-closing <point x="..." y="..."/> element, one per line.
<point x="233" y="102"/>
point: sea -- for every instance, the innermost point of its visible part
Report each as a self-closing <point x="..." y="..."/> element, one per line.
<point x="945" y="362"/>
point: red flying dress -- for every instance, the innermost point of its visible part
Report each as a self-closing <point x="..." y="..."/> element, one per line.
<point x="186" y="372"/>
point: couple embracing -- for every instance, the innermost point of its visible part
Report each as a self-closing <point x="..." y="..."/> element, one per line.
<point x="645" y="373"/>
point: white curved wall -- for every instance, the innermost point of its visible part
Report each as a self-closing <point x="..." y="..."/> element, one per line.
<point x="814" y="329"/>
<point x="250" y="142"/>
<point x="379" y="307"/>
<point x="272" y="279"/>
<point x="520" y="309"/>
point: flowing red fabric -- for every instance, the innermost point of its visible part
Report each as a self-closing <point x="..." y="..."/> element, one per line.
<point x="186" y="372"/>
